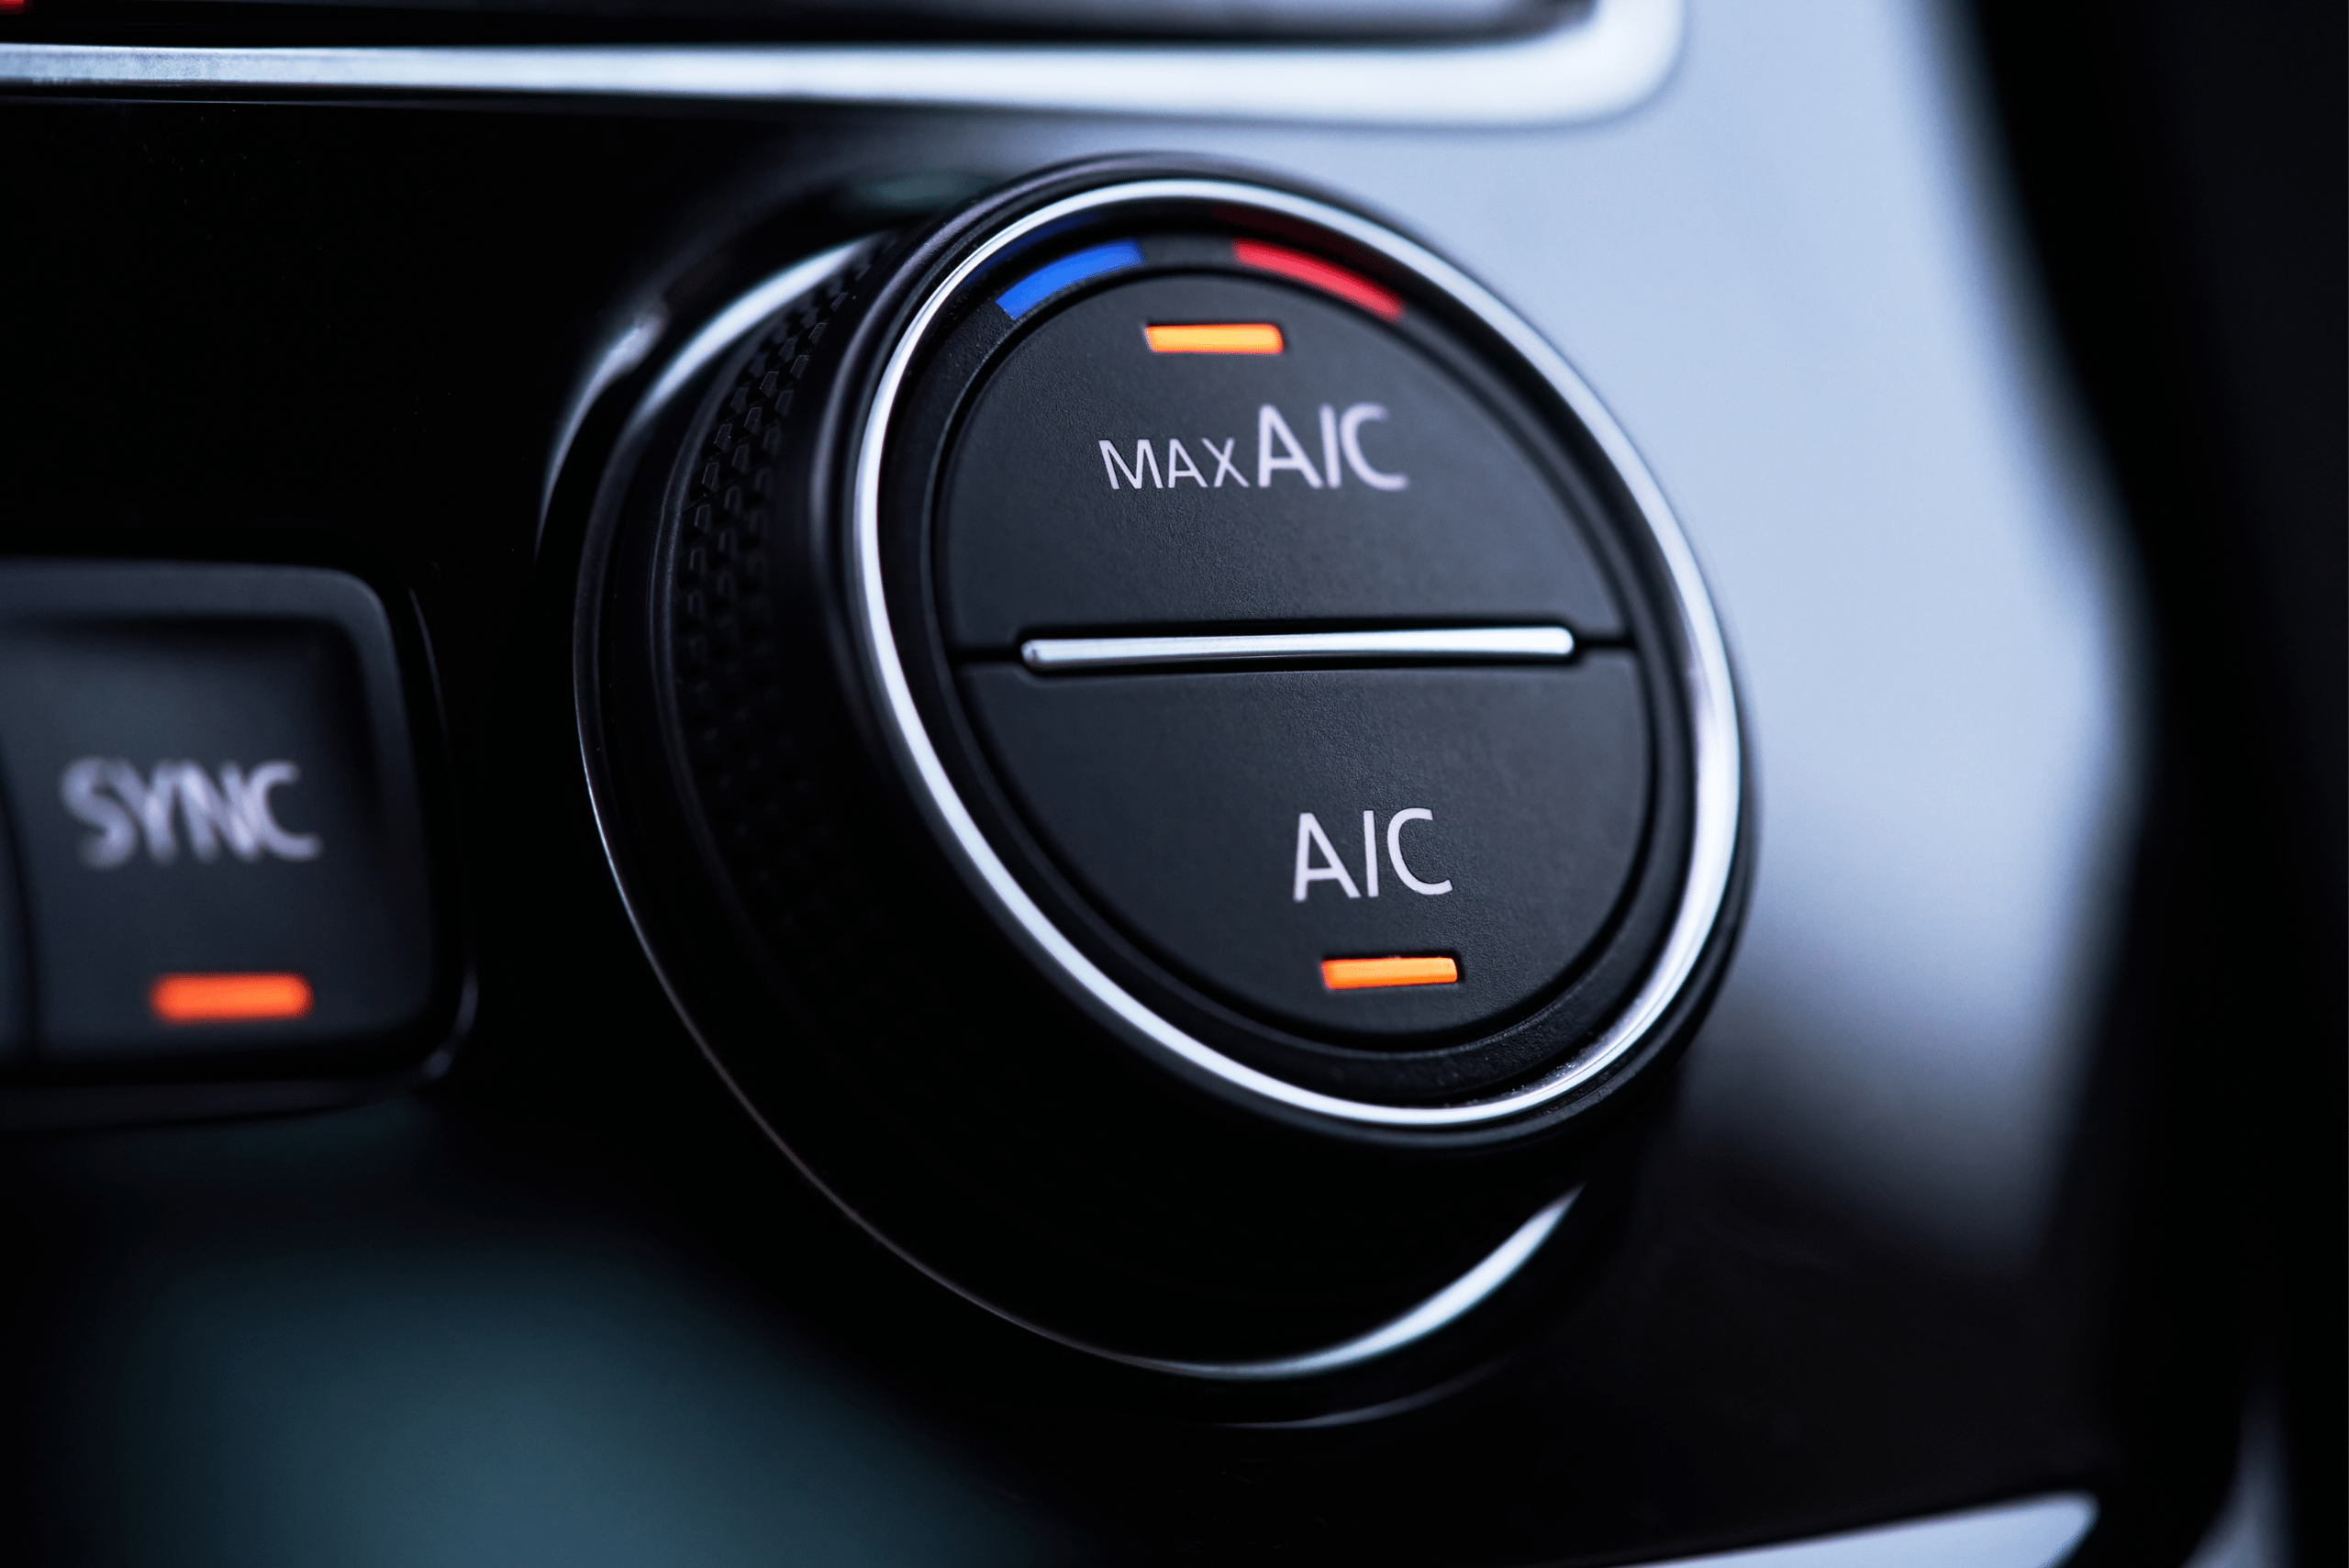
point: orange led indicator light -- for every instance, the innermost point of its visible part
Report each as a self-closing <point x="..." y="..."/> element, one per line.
<point x="229" y="998"/>
<point x="1365" y="973"/>
<point x="1214" y="337"/>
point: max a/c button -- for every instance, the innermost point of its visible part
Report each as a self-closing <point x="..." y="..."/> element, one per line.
<point x="215" y="802"/>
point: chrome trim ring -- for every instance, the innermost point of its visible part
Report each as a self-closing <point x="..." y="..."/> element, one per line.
<point x="1715" y="748"/>
<point x="1449" y="1304"/>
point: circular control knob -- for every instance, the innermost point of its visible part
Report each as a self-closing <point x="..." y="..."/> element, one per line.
<point x="1171" y="754"/>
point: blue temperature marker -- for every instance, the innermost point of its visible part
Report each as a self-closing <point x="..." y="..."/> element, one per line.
<point x="1052" y="277"/>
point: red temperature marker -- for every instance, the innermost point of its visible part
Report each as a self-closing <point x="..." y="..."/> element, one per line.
<point x="1353" y="289"/>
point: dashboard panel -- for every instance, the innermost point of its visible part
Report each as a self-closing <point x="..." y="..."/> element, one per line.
<point x="856" y="1026"/>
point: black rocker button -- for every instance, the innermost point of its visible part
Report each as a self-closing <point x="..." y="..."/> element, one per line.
<point x="1377" y="852"/>
<point x="1112" y="475"/>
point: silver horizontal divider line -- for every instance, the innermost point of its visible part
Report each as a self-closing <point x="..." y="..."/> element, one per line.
<point x="1497" y="644"/>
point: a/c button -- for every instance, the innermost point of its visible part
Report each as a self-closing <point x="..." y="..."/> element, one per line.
<point x="1248" y="828"/>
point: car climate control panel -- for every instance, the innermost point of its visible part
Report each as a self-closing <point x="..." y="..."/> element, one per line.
<point x="1170" y="751"/>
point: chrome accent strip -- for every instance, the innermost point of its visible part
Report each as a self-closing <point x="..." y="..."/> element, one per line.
<point x="1606" y="63"/>
<point x="1046" y="654"/>
<point x="2033" y="1532"/>
<point x="1715" y="742"/>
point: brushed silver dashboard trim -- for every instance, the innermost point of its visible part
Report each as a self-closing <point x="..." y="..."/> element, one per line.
<point x="1716" y="744"/>
<point x="1607" y="62"/>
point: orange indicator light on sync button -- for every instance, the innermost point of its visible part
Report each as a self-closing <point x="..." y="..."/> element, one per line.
<point x="1363" y="973"/>
<point x="229" y="998"/>
<point x="1214" y="337"/>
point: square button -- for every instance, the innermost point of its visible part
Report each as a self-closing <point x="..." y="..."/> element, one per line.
<point x="216" y="808"/>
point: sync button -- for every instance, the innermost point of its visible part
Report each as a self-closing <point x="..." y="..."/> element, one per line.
<point x="215" y="809"/>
